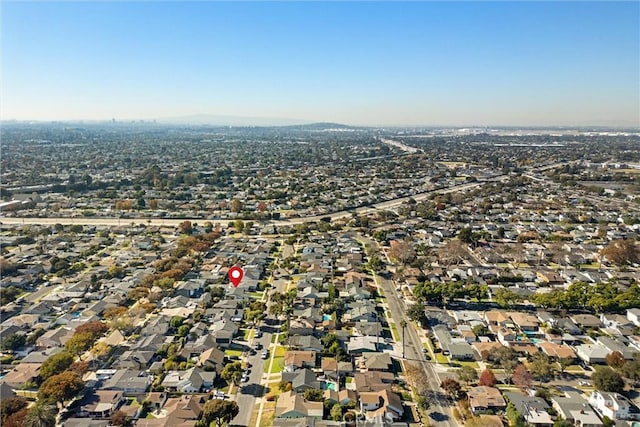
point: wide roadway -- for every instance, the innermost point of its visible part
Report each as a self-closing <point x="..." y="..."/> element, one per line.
<point x="440" y="412"/>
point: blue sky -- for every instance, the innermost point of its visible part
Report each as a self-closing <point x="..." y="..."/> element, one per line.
<point x="378" y="63"/>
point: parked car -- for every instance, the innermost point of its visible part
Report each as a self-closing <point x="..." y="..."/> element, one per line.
<point x="264" y="354"/>
<point x="258" y="333"/>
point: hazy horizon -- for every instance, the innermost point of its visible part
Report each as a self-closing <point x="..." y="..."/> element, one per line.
<point x="422" y="64"/>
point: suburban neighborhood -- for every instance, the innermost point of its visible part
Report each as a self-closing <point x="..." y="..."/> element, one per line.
<point x="389" y="278"/>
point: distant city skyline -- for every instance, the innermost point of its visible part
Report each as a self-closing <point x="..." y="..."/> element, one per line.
<point x="357" y="63"/>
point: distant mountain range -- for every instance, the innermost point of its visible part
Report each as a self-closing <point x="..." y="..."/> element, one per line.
<point x="216" y="120"/>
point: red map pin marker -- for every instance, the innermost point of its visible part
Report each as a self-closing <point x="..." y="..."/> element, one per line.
<point x="235" y="275"/>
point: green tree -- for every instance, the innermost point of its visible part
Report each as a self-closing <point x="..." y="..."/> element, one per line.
<point x="416" y="313"/>
<point x="61" y="387"/>
<point x="336" y="412"/>
<point x="13" y="342"/>
<point x="515" y="418"/>
<point x="451" y="387"/>
<point x="232" y="373"/>
<point x="423" y="402"/>
<point x="631" y="370"/>
<point x="506" y="358"/>
<point x="313" y="395"/>
<point x="176" y="322"/>
<point x="40" y="415"/>
<point x="79" y="343"/>
<point x="183" y="330"/>
<point x="606" y="379"/>
<point x="564" y="363"/>
<point x="375" y="264"/>
<point x="541" y="367"/>
<point x="219" y="411"/>
<point x="467" y="374"/>
<point x="56" y="364"/>
<point x="480" y="330"/>
<point x="506" y="298"/>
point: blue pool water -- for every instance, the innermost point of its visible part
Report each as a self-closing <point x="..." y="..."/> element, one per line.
<point x="328" y="386"/>
<point x="326" y="317"/>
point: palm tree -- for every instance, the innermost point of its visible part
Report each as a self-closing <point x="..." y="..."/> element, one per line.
<point x="41" y="415"/>
<point x="403" y="325"/>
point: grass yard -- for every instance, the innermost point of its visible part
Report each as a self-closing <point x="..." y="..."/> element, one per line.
<point x="394" y="331"/>
<point x="278" y="365"/>
<point x="441" y="358"/>
<point x="280" y="351"/>
<point x="472" y="364"/>
<point x="232" y="353"/>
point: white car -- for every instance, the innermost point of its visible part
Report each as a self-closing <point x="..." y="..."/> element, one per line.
<point x="264" y="354"/>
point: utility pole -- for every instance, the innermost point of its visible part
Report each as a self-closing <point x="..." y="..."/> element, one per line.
<point x="403" y="325"/>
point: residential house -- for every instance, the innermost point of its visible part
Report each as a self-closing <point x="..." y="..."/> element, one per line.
<point x="361" y="344"/>
<point x="301" y="380"/>
<point x="533" y="409"/>
<point x="372" y="381"/>
<point x="224" y="331"/>
<point x="592" y="353"/>
<point x="382" y="404"/>
<point x="505" y="336"/>
<point x="456" y="348"/>
<point x="305" y="342"/>
<point x="101" y="403"/>
<point x="190" y="381"/>
<point x="374" y="362"/>
<point x="612" y="320"/>
<point x="212" y="358"/>
<point x="557" y="351"/>
<point x="611" y="405"/>
<point x="194" y="349"/>
<point x="22" y="373"/>
<point x="156" y="326"/>
<point x="633" y="314"/>
<point x="190" y="288"/>
<point x="333" y="368"/>
<point x="484" y="349"/>
<point x="525" y="321"/>
<point x="568" y="325"/>
<point x="482" y="399"/>
<point x="131" y="382"/>
<point x="302" y="326"/>
<point x="612" y="344"/>
<point x="575" y="409"/>
<point x="367" y="328"/>
<point x="135" y="359"/>
<point x="297" y="359"/>
<point x="292" y="405"/>
<point x="54" y="338"/>
<point x="181" y="411"/>
<point x="586" y="321"/>
<point x="497" y="318"/>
